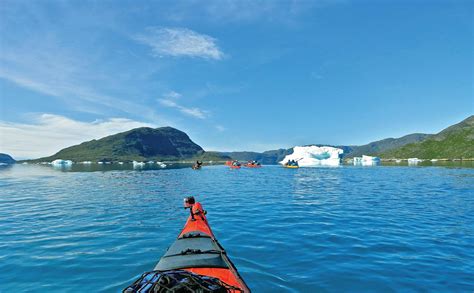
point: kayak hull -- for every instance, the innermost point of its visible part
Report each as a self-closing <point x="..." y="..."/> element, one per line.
<point x="292" y="167"/>
<point x="197" y="250"/>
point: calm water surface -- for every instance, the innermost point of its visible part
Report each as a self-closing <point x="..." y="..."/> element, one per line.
<point x="317" y="229"/>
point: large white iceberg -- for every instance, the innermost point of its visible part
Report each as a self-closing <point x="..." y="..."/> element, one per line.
<point x="310" y="156"/>
<point x="366" y="161"/>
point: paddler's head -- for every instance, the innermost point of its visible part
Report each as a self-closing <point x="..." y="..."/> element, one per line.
<point x="189" y="202"/>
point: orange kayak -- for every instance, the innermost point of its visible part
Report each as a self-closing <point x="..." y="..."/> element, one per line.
<point x="235" y="167"/>
<point x="196" y="252"/>
<point x="253" y="166"/>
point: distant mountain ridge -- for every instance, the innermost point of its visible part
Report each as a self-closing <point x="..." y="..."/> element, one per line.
<point x="384" y="145"/>
<point x="167" y="143"/>
<point x="373" y="148"/>
<point x="454" y="142"/>
<point x="141" y="144"/>
<point x="6" y="159"/>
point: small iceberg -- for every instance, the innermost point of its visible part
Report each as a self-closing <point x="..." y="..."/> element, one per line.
<point x="86" y="162"/>
<point x="161" y="164"/>
<point x="398" y="161"/>
<point x="434" y="160"/>
<point x="414" y="161"/>
<point x="138" y="164"/>
<point x="311" y="156"/>
<point x="60" y="162"/>
<point x="366" y="161"/>
<point x="120" y="163"/>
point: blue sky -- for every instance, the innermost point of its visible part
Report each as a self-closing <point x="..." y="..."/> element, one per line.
<point x="234" y="75"/>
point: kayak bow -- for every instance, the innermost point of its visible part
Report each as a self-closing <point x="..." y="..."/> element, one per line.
<point x="195" y="252"/>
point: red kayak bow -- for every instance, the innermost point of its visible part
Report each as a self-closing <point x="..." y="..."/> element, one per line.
<point x="197" y="250"/>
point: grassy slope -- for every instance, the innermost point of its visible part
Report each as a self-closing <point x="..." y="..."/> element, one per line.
<point x="455" y="142"/>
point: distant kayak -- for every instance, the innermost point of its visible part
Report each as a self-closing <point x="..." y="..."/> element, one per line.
<point x="195" y="262"/>
<point x="253" y="165"/>
<point x="291" y="167"/>
<point x="197" y="165"/>
<point x="233" y="164"/>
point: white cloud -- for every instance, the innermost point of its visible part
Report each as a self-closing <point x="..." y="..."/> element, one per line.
<point x="169" y="101"/>
<point x="194" y="112"/>
<point x="49" y="133"/>
<point x="172" y="95"/>
<point x="180" y="42"/>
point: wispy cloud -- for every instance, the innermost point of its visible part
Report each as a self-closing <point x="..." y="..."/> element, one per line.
<point x="49" y="133"/>
<point x="169" y="102"/>
<point x="180" y="42"/>
<point x="61" y="74"/>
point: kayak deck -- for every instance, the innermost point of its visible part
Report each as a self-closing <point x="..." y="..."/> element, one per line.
<point x="197" y="250"/>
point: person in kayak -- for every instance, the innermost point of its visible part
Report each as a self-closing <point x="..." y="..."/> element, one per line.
<point x="197" y="165"/>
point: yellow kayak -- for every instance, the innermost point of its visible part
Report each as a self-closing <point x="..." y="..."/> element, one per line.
<point x="292" y="167"/>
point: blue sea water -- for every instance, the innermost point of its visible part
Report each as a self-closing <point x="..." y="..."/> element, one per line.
<point x="343" y="229"/>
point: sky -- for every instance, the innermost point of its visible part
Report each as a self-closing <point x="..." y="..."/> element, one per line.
<point x="234" y="75"/>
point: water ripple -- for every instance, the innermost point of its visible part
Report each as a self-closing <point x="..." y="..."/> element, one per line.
<point x="321" y="229"/>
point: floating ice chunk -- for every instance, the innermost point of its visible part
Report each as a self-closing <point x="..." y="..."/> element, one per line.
<point x="309" y="156"/>
<point x="60" y="162"/>
<point x="161" y="164"/>
<point x="398" y="161"/>
<point x="434" y="160"/>
<point x="120" y="163"/>
<point x="369" y="160"/>
<point x="366" y="161"/>
<point x="150" y="162"/>
<point x="414" y="161"/>
<point x="138" y="164"/>
<point x="86" y="162"/>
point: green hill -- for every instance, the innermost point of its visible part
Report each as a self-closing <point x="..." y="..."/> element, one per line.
<point x="140" y="144"/>
<point x="454" y="142"/>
